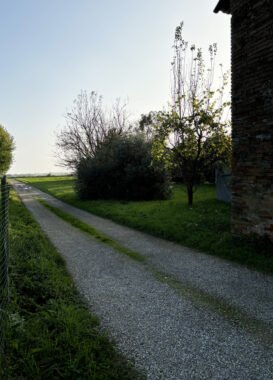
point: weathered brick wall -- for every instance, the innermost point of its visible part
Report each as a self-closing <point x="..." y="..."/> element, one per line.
<point x="252" y="116"/>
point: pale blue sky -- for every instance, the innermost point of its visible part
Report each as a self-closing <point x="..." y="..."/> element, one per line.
<point x="52" y="49"/>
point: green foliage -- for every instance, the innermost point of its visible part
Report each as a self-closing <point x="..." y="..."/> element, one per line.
<point x="191" y="136"/>
<point x="146" y="123"/>
<point x="6" y="149"/>
<point x="205" y="225"/>
<point x="199" y="145"/>
<point x="51" y="333"/>
<point x="121" y="169"/>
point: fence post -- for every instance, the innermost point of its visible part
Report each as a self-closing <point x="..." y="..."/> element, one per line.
<point x="4" y="254"/>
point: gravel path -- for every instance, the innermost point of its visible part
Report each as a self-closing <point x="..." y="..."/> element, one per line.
<point x="203" y="318"/>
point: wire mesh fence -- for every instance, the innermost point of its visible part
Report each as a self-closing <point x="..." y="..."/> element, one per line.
<point x="4" y="255"/>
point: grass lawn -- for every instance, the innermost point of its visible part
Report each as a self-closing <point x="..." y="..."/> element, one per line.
<point x="51" y="333"/>
<point x="204" y="226"/>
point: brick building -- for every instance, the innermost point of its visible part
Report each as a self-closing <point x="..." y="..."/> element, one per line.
<point x="252" y="115"/>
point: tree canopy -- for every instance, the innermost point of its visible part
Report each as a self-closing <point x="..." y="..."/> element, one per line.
<point x="6" y="150"/>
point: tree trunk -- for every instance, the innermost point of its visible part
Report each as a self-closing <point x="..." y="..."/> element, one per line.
<point x="190" y="194"/>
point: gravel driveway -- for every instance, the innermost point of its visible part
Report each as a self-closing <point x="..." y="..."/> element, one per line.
<point x="181" y="314"/>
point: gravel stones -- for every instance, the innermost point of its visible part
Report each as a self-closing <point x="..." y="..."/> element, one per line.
<point x="167" y="334"/>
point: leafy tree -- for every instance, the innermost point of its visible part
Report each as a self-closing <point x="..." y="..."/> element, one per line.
<point x="122" y="169"/>
<point x="87" y="125"/>
<point x="6" y="149"/>
<point x="192" y="135"/>
<point x="146" y="124"/>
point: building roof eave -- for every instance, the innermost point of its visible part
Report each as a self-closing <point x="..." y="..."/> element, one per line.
<point x="224" y="6"/>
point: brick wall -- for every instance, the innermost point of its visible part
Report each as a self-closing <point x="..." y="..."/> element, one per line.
<point x="252" y="117"/>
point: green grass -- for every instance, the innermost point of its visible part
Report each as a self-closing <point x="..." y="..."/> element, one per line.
<point x="204" y="226"/>
<point x="199" y="298"/>
<point x="50" y="333"/>
<point x="95" y="234"/>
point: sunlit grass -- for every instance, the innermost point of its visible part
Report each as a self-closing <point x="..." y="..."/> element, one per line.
<point x="204" y="226"/>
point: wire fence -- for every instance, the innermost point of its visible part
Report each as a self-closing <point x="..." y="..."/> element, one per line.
<point x="4" y="256"/>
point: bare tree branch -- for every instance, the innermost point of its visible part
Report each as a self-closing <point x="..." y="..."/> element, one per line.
<point x="87" y="125"/>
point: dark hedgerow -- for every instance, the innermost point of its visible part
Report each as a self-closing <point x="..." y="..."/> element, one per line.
<point x="122" y="169"/>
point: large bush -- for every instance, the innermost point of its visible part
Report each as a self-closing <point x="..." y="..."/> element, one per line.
<point x="121" y="170"/>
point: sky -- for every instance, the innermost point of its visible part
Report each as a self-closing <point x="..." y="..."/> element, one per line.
<point x="51" y="50"/>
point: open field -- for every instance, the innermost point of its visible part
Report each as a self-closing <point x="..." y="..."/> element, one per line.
<point x="51" y="333"/>
<point x="204" y="226"/>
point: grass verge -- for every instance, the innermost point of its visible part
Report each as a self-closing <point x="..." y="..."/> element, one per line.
<point x="204" y="226"/>
<point x="95" y="234"/>
<point x="50" y="333"/>
<point x="200" y="298"/>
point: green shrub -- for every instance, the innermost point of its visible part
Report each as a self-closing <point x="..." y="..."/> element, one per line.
<point x="122" y="169"/>
<point x="6" y="149"/>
